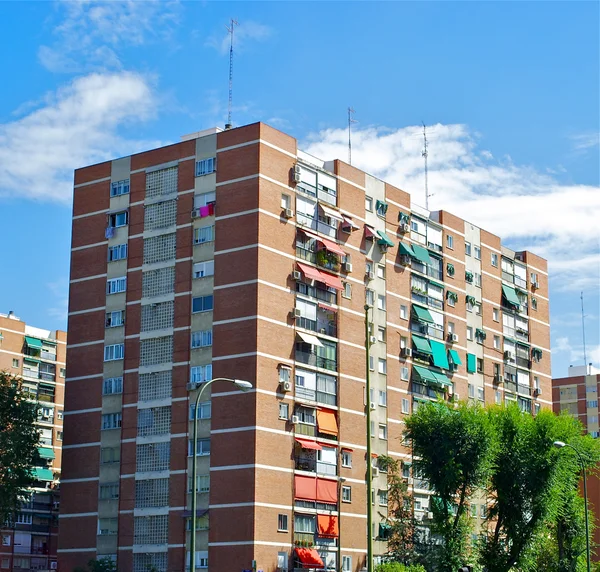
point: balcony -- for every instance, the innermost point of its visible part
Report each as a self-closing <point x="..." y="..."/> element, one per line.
<point x="427" y="330"/>
<point x="425" y="390"/>
<point x="46" y="397"/>
<point x="327" y="229"/>
<point x="311" y="358"/>
<point x="305" y="254"/>
<point x="521" y="334"/>
<point x="524" y="390"/>
<point x="327" y="260"/>
<point x="303" y="463"/>
<point x="523" y="362"/>
<point x="312" y="431"/>
<point x="423" y="298"/>
<point x="315" y="395"/>
<point x="31" y="373"/>
<point x="327" y="196"/>
<point x="321" y="325"/>
<point x="48" y="376"/>
<point x="47" y="355"/>
<point x="316" y="292"/>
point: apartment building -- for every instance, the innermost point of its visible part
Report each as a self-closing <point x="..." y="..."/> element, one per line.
<point x="577" y="394"/>
<point x="29" y="540"/>
<point x="233" y="254"/>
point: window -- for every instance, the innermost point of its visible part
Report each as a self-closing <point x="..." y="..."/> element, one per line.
<point x="383" y="498"/>
<point x="204" y="200"/>
<point x="112" y="385"/>
<point x="469" y="333"/>
<point x="286" y="201"/>
<point x="109" y="491"/>
<point x="468" y="248"/>
<point x="593" y="403"/>
<point x="304" y="523"/>
<point x="157" y="350"/>
<point x="202" y="304"/>
<point x="204" y="410"/>
<point x="381" y="302"/>
<point x="285" y="373"/>
<point x="404" y="373"/>
<point x="23" y="518"/>
<point x="284" y="411"/>
<point x="494" y="259"/>
<point x="534" y="278"/>
<point x="115" y="220"/>
<point x="477" y="279"/>
<point x="201" y="339"/>
<point x="381" y="334"/>
<point x="477" y="252"/>
<point x="368" y="203"/>
<point x="202" y="450"/>
<point x="282" y="522"/>
<point x="382" y="398"/>
<point x="203" y="269"/>
<point x="403" y="312"/>
<point x="62" y="372"/>
<point x="346" y="459"/>
<point x="110" y="455"/>
<point x="496" y="342"/>
<point x="403" y="341"/>
<point x="206" y="166"/>
<point x="473" y="509"/>
<point x="450" y="241"/>
<point x="451" y="298"/>
<point x="282" y="561"/>
<point x="346" y="563"/>
<point x="479" y="365"/>
<point x="347" y="291"/>
<point x="471" y="390"/>
<point x="204" y="234"/>
<point x="380" y="271"/>
<point x="498" y="397"/>
<point x="107" y="526"/>
<point x="114" y="319"/>
<point x="382" y="366"/>
<point x="382" y="433"/>
<point x="114" y="352"/>
<point x="481" y="394"/>
<point x="116" y="285"/>
<point x="15" y="362"/>
<point x="118" y="252"/>
<point x="370" y="297"/>
<point x="200" y="373"/>
<point x="405" y="406"/>
<point x="346" y="493"/>
<point x="59" y="413"/>
<point x="371" y="363"/>
<point x="119" y="188"/>
<point x="111" y="421"/>
<point x="534" y="304"/>
<point x="368" y="267"/>
<point x="495" y="314"/>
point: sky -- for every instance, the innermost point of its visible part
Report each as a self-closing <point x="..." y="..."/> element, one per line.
<point x="509" y="92"/>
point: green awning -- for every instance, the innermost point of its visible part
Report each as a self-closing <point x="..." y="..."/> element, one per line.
<point x="423" y="373"/>
<point x="471" y="363"/>
<point x="33" y="343"/>
<point x="510" y="295"/>
<point x="421" y="399"/>
<point x="438" y="284"/>
<point x="454" y="357"/>
<point x="40" y="474"/>
<point x="421" y="254"/>
<point x="441" y="379"/>
<point x="421" y="344"/>
<point x="440" y="358"/>
<point x="406" y="248"/>
<point x="384" y="238"/>
<point x="422" y="314"/>
<point x="46" y="452"/>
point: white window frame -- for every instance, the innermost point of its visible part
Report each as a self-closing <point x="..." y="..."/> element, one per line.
<point x="114" y="319"/>
<point x="119" y="188"/>
<point x="206" y="166"/>
<point x="114" y="352"/>
<point x="346" y="459"/>
<point x="405" y="406"/>
<point x="450" y="241"/>
<point x="112" y="385"/>
<point x="403" y="312"/>
<point x="116" y="285"/>
<point x="203" y="269"/>
<point x="201" y="339"/>
<point x="117" y="252"/>
<point x="368" y="203"/>
<point x="204" y="234"/>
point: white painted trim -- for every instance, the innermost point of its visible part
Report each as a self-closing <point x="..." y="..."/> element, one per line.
<point x="102" y="180"/>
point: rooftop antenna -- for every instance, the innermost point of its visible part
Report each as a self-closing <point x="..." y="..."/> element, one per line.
<point x="351" y="120"/>
<point x="425" y="155"/>
<point x="233" y="23"/>
<point x="583" y="331"/>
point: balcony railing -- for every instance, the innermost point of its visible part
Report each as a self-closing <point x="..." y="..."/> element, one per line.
<point x="312" y="431"/>
<point x="327" y="229"/>
<point x="427" y="300"/>
<point x="425" y="390"/>
<point x="327" y="197"/>
<point x="45" y="397"/>
<point x="315" y="292"/>
<point x="305" y="254"/>
<point x="31" y="373"/>
<point x="311" y="358"/>
<point x="48" y="355"/>
<point x="48" y="376"/>
<point x="524" y="389"/>
<point x="522" y="335"/>
<point x="318" y="396"/>
<point x="304" y="537"/>
<point x="520" y="282"/>
<point x="523" y="362"/>
<point x="427" y="330"/>
<point x="328" y="328"/>
<point x="314" y="466"/>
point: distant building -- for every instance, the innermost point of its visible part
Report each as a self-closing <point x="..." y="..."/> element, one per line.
<point x="234" y="254"/>
<point x="29" y="541"/>
<point x="578" y="395"/>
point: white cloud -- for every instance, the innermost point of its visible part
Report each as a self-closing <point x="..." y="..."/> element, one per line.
<point x="527" y="208"/>
<point x="584" y="141"/>
<point x="243" y="33"/>
<point x="60" y="291"/>
<point x="76" y="126"/>
<point x="93" y="32"/>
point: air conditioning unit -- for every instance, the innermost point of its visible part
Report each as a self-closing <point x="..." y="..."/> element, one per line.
<point x="405" y="352"/>
<point x="191" y="386"/>
<point x="297" y="275"/>
<point x="372" y="406"/>
<point x="508" y="356"/>
<point x="405" y="260"/>
<point x="404" y="227"/>
<point x="430" y="515"/>
<point x="53" y="565"/>
<point x="372" y="339"/>
<point x="347" y="266"/>
<point x="452" y="337"/>
<point x="375" y="471"/>
<point x="285" y="385"/>
<point x="297" y="313"/>
<point x="288" y="213"/>
<point x="498" y="379"/>
<point x="297" y="173"/>
<point x="370" y="275"/>
<point x="295" y="419"/>
<point x="196" y="213"/>
<point x="537" y="391"/>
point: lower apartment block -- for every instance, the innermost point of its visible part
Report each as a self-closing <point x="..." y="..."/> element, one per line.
<point x="232" y="254"/>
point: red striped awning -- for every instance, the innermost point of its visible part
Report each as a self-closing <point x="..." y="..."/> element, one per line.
<point x="327" y="308"/>
<point x="331" y="246"/>
<point x="305" y="444"/>
<point x="331" y="280"/>
<point x="370" y="232"/>
<point x="309" y="272"/>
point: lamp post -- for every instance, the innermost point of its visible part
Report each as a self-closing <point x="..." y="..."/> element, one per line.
<point x="369" y="468"/>
<point x="560" y="445"/>
<point x="244" y="386"/>
<point x="339" y="540"/>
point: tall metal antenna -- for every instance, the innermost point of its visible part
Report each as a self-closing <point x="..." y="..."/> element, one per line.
<point x="583" y="331"/>
<point x="233" y="23"/>
<point x="425" y="154"/>
<point x="351" y="120"/>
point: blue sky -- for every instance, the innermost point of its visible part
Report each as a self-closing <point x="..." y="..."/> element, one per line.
<point x="510" y="91"/>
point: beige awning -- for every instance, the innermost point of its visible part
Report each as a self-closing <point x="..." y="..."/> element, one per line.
<point x="309" y="339"/>
<point x="331" y="213"/>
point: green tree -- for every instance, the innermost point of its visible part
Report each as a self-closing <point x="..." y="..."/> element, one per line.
<point x="18" y="444"/>
<point x="100" y="565"/>
<point x="454" y="448"/>
<point x="398" y="567"/>
<point x="533" y="491"/>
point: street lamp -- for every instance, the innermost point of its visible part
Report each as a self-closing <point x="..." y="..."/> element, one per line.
<point x="244" y="386"/>
<point x="369" y="475"/>
<point x="560" y="445"/>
